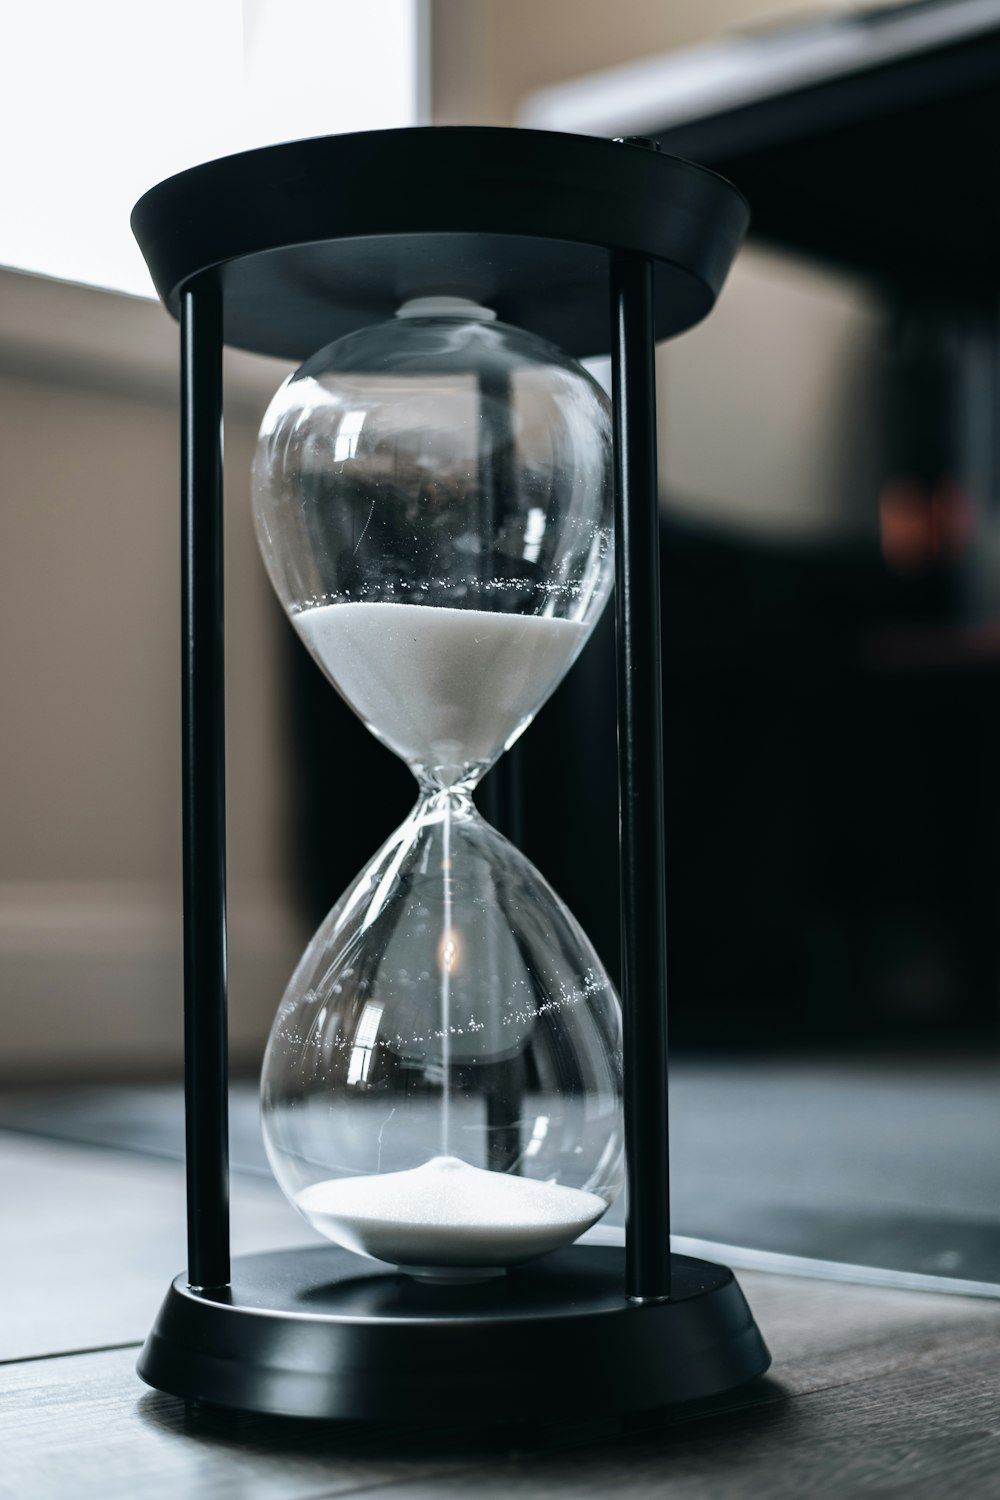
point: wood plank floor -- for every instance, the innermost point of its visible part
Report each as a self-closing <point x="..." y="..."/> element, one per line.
<point x="873" y="1392"/>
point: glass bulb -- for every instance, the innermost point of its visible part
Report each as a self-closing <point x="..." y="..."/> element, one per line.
<point x="442" y="1084"/>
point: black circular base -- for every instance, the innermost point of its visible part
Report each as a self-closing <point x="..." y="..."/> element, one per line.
<point x="316" y="1333"/>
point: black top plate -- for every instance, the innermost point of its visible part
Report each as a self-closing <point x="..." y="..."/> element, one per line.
<point x="318" y="237"/>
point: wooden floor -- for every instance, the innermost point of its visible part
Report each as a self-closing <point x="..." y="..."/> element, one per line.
<point x="872" y="1393"/>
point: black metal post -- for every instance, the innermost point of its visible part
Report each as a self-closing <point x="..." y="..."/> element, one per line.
<point x="206" y="1070"/>
<point x="640" y="780"/>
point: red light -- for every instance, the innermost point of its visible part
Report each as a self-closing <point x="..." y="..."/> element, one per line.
<point x="922" y="524"/>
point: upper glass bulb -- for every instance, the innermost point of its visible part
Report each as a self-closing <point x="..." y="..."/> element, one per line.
<point x="447" y="460"/>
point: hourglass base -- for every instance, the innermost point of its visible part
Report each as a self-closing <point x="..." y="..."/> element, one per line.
<point x="321" y="1333"/>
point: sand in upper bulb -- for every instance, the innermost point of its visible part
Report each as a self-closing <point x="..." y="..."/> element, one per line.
<point x="441" y="687"/>
<point x="449" y="1214"/>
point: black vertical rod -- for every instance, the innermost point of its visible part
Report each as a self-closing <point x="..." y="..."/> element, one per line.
<point x="204" y="786"/>
<point x="640" y="780"/>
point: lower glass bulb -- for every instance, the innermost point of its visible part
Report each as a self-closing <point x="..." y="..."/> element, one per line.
<point x="442" y="1084"/>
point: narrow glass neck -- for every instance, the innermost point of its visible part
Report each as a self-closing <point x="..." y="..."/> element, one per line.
<point x="438" y="803"/>
<point x="460" y="780"/>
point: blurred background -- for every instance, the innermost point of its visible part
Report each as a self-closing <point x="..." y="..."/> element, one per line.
<point x="830" y="554"/>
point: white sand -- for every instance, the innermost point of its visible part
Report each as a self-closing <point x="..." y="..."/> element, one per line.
<point x="442" y="687"/>
<point x="447" y="1213"/>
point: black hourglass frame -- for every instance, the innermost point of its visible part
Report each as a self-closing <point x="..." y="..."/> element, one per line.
<point x="592" y="244"/>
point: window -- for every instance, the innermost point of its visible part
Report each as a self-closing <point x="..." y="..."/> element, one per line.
<point x="102" y="100"/>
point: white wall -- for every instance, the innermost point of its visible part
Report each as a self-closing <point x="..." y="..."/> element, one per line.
<point x="89" y="664"/>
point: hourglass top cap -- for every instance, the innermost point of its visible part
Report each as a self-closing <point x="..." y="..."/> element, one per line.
<point x="313" y="239"/>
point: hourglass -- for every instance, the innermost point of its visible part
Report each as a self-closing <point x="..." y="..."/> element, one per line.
<point x="445" y="499"/>
<point x="442" y="1086"/>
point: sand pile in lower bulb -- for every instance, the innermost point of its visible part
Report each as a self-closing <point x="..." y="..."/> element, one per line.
<point x="447" y="1213"/>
